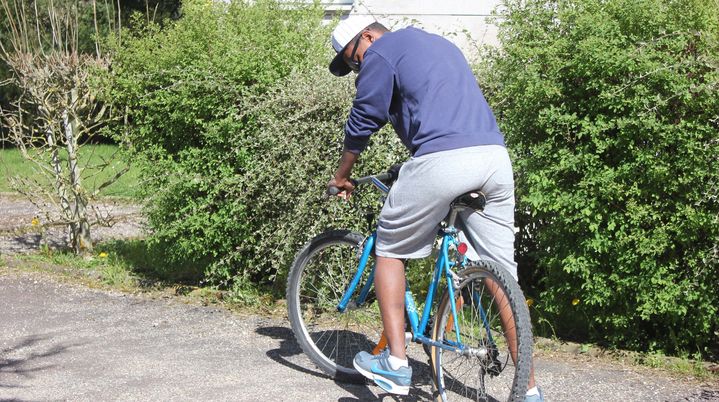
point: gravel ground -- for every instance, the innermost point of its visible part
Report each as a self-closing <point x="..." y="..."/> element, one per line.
<point x="61" y="341"/>
<point x="18" y="235"/>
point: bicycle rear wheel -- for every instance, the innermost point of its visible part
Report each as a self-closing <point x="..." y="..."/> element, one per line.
<point x="319" y="276"/>
<point x="495" y="361"/>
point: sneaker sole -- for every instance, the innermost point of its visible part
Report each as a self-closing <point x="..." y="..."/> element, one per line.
<point x="383" y="382"/>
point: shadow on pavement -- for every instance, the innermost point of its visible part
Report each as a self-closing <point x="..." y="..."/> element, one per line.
<point x="290" y="347"/>
<point x="707" y="395"/>
<point x="33" y="242"/>
<point x="28" y="363"/>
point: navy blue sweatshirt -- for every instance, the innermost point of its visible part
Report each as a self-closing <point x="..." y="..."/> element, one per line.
<point x="422" y="84"/>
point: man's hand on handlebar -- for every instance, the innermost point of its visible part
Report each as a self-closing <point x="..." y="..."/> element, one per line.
<point x="341" y="187"/>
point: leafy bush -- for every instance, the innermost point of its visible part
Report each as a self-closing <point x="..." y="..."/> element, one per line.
<point x="184" y="85"/>
<point x="296" y="140"/>
<point x="611" y="109"/>
<point x="239" y="133"/>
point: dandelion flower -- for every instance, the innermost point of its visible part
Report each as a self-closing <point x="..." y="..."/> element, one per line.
<point x="102" y="255"/>
<point x="530" y="302"/>
<point x="35" y="221"/>
<point x="575" y="302"/>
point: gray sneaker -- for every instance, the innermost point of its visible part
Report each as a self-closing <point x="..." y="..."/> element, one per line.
<point x="535" y="398"/>
<point x="377" y="369"/>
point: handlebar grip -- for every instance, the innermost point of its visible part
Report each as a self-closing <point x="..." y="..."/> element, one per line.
<point x="332" y="190"/>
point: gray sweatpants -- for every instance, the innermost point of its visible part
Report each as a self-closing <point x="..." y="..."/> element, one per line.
<point x="427" y="184"/>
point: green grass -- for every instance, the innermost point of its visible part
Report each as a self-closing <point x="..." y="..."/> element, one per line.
<point x="685" y="365"/>
<point x="128" y="265"/>
<point x="13" y="164"/>
<point x="97" y="269"/>
<point x="137" y="266"/>
<point x="148" y="260"/>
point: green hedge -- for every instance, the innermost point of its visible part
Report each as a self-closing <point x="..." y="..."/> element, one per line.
<point x="611" y="110"/>
<point x="297" y="141"/>
<point x="184" y="86"/>
<point x="239" y="132"/>
<point x="609" y="107"/>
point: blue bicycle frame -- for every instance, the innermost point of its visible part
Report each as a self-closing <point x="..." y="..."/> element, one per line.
<point x="419" y="328"/>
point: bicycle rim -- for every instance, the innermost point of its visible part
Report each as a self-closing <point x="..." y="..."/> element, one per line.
<point x="485" y="369"/>
<point x="321" y="274"/>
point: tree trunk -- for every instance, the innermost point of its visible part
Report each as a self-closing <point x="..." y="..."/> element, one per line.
<point x="60" y="188"/>
<point x="79" y="225"/>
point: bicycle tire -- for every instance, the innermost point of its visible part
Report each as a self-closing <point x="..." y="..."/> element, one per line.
<point x="490" y="355"/>
<point x="319" y="276"/>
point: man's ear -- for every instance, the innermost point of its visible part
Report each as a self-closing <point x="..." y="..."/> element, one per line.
<point x="368" y="35"/>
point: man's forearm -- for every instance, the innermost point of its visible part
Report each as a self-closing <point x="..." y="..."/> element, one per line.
<point x="346" y="163"/>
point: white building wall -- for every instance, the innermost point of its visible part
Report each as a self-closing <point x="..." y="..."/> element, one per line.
<point x="465" y="22"/>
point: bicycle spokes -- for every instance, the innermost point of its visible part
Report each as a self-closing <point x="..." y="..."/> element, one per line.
<point x="484" y="361"/>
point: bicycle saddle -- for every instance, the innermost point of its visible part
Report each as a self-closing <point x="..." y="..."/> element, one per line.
<point x="473" y="199"/>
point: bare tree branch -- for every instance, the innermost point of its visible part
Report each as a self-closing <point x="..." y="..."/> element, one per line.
<point x="56" y="115"/>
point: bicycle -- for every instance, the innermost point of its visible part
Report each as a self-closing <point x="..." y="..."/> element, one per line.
<point x="334" y="314"/>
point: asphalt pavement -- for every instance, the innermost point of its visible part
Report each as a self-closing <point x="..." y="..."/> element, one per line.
<point x="61" y="341"/>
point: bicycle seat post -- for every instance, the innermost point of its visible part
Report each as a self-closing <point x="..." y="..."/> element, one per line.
<point x="474" y="200"/>
<point x="452" y="218"/>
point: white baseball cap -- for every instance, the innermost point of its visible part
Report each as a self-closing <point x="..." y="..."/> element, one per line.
<point x="347" y="29"/>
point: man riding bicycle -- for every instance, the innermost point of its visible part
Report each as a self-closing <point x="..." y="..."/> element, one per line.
<point x="423" y="85"/>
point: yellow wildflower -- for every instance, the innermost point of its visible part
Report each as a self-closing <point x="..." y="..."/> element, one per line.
<point x="530" y="302"/>
<point x="35" y="221"/>
<point x="575" y="302"/>
<point x="102" y="255"/>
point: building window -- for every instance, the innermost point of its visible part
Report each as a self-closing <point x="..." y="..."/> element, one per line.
<point x="334" y="8"/>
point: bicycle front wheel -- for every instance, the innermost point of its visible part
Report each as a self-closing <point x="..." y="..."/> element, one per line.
<point x="493" y="351"/>
<point x="318" y="279"/>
